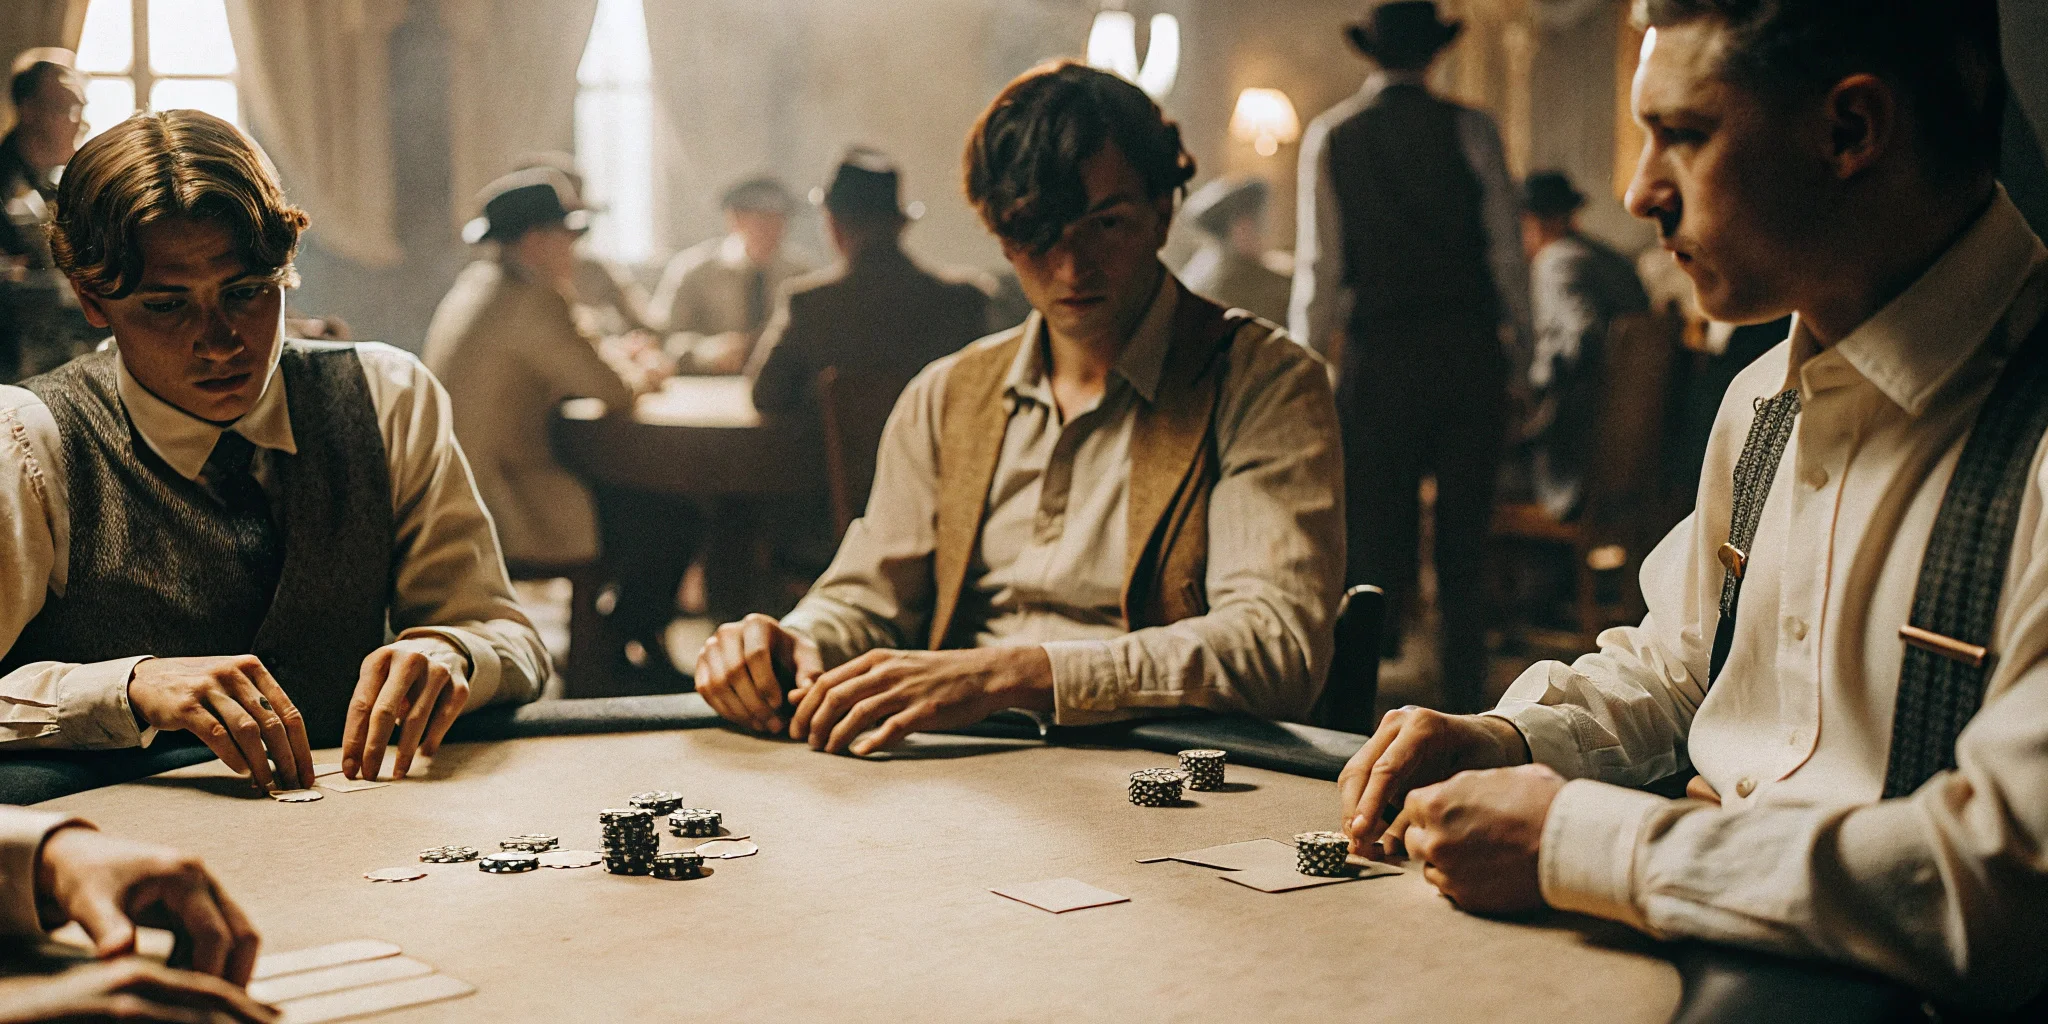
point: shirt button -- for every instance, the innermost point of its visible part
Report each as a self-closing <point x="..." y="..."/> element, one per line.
<point x="1745" y="786"/>
<point x="1796" y="628"/>
<point x="1817" y="477"/>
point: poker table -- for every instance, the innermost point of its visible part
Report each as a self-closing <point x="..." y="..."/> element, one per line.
<point x="869" y="898"/>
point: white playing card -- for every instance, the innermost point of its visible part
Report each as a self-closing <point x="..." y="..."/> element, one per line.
<point x="1060" y="895"/>
<point x="332" y="955"/>
<point x="361" y="1002"/>
<point x="335" y="979"/>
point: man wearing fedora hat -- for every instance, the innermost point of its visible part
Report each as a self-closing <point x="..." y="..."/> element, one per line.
<point x="506" y="344"/>
<point x="877" y="311"/>
<point x="1578" y="286"/>
<point x="1232" y="266"/>
<point x="1409" y="276"/>
<point x="716" y="296"/>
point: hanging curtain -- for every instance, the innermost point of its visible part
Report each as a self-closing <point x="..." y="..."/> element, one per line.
<point x="30" y="23"/>
<point x="315" y="75"/>
<point x="512" y="85"/>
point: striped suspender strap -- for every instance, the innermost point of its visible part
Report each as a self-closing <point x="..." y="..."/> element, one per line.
<point x="1757" y="466"/>
<point x="1962" y="575"/>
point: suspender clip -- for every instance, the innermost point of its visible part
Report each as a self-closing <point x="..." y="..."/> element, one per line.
<point x="1944" y="646"/>
<point x="1733" y="560"/>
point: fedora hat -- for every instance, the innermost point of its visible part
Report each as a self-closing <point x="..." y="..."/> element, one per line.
<point x="1405" y="32"/>
<point x="524" y="200"/>
<point x="1219" y="203"/>
<point x="865" y="184"/>
<point x="1550" y="194"/>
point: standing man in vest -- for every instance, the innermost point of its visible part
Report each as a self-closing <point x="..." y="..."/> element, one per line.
<point x="1408" y="276"/>
<point x="1868" y="562"/>
<point x="1127" y="505"/>
<point x="211" y="526"/>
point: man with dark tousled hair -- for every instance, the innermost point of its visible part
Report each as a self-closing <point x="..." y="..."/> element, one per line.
<point x="1867" y="566"/>
<point x="1126" y="506"/>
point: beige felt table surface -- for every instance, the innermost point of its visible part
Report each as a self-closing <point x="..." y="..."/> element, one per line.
<point x="869" y="899"/>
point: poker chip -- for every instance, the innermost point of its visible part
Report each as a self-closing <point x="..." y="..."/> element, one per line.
<point x="1204" y="768"/>
<point x="295" y="796"/>
<point x="629" y="842"/>
<point x="676" y="867"/>
<point x="510" y="863"/>
<point x="448" y="854"/>
<point x="1321" y="854"/>
<point x="395" y="875"/>
<point x="1156" y="787"/>
<point x="695" y="822"/>
<point x="660" y="801"/>
<point x="570" y="859"/>
<point x="530" y="842"/>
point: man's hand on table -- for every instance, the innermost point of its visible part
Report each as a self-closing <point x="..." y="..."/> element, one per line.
<point x="901" y="692"/>
<point x="400" y="688"/>
<point x="109" y="885"/>
<point x="1478" y="836"/>
<point x="1417" y="747"/>
<point x="234" y="706"/>
<point x="742" y="669"/>
<point x="132" y="989"/>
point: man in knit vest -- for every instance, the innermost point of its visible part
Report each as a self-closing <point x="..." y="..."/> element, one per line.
<point x="1129" y="504"/>
<point x="212" y="527"/>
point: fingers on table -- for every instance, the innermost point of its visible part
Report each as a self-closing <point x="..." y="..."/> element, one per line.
<point x="423" y="706"/>
<point x="185" y="896"/>
<point x="189" y="990"/>
<point x="1383" y="774"/>
<point x="743" y="693"/>
<point x="355" y="734"/>
<point x="758" y="635"/>
<point x="834" y="697"/>
<point x="883" y="701"/>
<point x="289" y="721"/>
<point x="394" y="696"/>
<point x="453" y="699"/>
<point x="235" y="737"/>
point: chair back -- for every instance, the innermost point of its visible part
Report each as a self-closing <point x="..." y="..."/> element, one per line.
<point x="1622" y="469"/>
<point x="1353" y="688"/>
<point x="854" y="406"/>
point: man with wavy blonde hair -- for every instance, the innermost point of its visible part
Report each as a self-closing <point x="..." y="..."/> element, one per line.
<point x="212" y="524"/>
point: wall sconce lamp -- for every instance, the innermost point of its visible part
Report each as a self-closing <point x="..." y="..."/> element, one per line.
<point x="1266" y="119"/>
<point x="1113" y="47"/>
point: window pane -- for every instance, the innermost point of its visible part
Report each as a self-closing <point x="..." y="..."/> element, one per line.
<point x="615" y="152"/>
<point x="617" y="52"/>
<point x="189" y="37"/>
<point x="213" y="95"/>
<point x="109" y="40"/>
<point x="108" y="102"/>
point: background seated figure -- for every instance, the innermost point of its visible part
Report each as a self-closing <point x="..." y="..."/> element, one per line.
<point x="715" y="298"/>
<point x="1233" y="266"/>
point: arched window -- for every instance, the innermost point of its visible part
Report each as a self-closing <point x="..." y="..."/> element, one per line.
<point x="615" y="132"/>
<point x="157" y="55"/>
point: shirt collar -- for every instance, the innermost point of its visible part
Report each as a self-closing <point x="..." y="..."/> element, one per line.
<point x="1142" y="363"/>
<point x="1911" y="348"/>
<point x="1380" y="81"/>
<point x="185" y="441"/>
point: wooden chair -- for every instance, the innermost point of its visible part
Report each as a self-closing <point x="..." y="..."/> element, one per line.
<point x="854" y="406"/>
<point x="1621" y="513"/>
<point x="1353" y="689"/>
<point x="584" y="672"/>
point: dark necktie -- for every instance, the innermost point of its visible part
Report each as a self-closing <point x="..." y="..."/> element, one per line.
<point x="248" y="508"/>
<point x="757" y="301"/>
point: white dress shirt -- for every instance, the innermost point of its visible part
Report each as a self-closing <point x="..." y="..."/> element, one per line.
<point x="1947" y="888"/>
<point x="22" y="832"/>
<point x="450" y="585"/>
<point x="1322" y="302"/>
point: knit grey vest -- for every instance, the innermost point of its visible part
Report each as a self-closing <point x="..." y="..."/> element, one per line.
<point x="157" y="566"/>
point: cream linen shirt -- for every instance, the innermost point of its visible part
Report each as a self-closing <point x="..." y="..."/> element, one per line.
<point x="1048" y="569"/>
<point x="450" y="581"/>
<point x="22" y="832"/>
<point x="1947" y="888"/>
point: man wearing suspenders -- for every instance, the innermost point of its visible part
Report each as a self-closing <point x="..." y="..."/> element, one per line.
<point x="1848" y="639"/>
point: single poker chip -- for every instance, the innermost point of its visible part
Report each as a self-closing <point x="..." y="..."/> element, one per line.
<point x="296" y="796"/>
<point x="395" y="875"/>
<point x="1322" y="854"/>
<point x="510" y="863"/>
<point x="660" y="801"/>
<point x="695" y="822"/>
<point x="634" y="868"/>
<point x="531" y="842"/>
<point x="570" y="859"/>
<point x="448" y="854"/>
<point x="1204" y="768"/>
<point x="618" y="815"/>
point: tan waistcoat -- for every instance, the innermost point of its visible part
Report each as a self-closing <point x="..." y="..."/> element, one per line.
<point x="1173" y="467"/>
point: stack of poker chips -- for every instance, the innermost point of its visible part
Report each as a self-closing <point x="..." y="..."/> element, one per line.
<point x="448" y="854"/>
<point x="530" y="842"/>
<point x="1156" y="787"/>
<point x="660" y="801"/>
<point x="695" y="822"/>
<point x="508" y="863"/>
<point x="629" y="842"/>
<point x="675" y="867"/>
<point x="1321" y="853"/>
<point x="1204" y="768"/>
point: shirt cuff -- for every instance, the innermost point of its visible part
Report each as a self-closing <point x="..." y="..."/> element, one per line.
<point x="92" y="706"/>
<point x="1086" y="686"/>
<point x="459" y="652"/>
<point x="1587" y="863"/>
<point x="21" y="841"/>
<point x="1548" y="731"/>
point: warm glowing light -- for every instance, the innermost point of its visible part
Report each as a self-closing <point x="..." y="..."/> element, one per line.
<point x="1266" y="119"/>
<point x="1113" y="47"/>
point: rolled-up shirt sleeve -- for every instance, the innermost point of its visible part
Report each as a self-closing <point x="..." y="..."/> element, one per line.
<point x="1275" y="565"/>
<point x="451" y="580"/>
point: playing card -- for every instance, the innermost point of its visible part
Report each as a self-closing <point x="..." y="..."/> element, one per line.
<point x="335" y="979"/>
<point x="344" y="784"/>
<point x="1060" y="895"/>
<point x="361" y="1002"/>
<point x="335" y="954"/>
